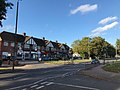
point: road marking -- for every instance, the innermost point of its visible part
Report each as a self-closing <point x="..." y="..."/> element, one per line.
<point x="44" y="82"/>
<point x="63" y="75"/>
<point x="75" y="86"/>
<point x="40" y="87"/>
<point x="33" y="86"/>
<point x="50" y="83"/>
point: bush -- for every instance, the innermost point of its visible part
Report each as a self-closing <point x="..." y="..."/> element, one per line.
<point x="0" y="62"/>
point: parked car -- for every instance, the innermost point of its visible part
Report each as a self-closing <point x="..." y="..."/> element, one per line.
<point x="95" y="61"/>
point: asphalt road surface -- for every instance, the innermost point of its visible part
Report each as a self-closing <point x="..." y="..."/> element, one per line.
<point x="66" y="77"/>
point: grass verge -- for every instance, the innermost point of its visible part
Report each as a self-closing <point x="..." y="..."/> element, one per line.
<point x="115" y="67"/>
<point x="4" y="69"/>
<point x="60" y="62"/>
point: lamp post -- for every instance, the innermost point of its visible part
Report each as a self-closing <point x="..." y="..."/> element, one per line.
<point x="16" y="26"/>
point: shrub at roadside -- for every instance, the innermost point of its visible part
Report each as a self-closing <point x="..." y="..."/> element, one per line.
<point x="115" y="67"/>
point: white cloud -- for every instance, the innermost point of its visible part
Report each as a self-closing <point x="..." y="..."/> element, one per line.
<point x="108" y="19"/>
<point x="100" y="30"/>
<point x="84" y="8"/>
<point x="8" y="28"/>
<point x="105" y="28"/>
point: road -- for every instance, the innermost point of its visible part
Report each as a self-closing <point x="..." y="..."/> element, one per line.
<point x="66" y="77"/>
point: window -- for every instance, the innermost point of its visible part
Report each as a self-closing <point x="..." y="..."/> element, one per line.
<point x="12" y="44"/>
<point x="19" y="55"/>
<point x="5" y="43"/>
<point x="4" y="54"/>
<point x="19" y="44"/>
<point x="27" y="55"/>
<point x="35" y="47"/>
<point x="39" y="47"/>
<point x="53" y="49"/>
<point x="47" y="48"/>
<point x="27" y="46"/>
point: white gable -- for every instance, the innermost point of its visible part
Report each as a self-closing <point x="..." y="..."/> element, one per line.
<point x="62" y="47"/>
<point x="50" y="45"/>
<point x="31" y="41"/>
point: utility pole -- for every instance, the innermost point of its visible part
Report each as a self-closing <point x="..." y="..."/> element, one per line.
<point x="15" y="36"/>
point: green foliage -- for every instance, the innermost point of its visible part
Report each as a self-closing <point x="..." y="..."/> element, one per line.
<point x="82" y="46"/>
<point x="118" y="46"/>
<point x="4" y="5"/>
<point x="75" y="46"/>
<point x="96" y="46"/>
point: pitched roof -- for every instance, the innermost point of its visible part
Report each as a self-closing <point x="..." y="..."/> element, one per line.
<point x="55" y="44"/>
<point x="39" y="42"/>
<point x="8" y="36"/>
<point x="66" y="46"/>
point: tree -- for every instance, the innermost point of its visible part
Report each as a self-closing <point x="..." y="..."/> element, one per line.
<point x="85" y="47"/>
<point x="101" y="48"/>
<point x="4" y="5"/>
<point x="82" y="47"/>
<point x="95" y="47"/>
<point x="98" y="46"/>
<point x="118" y="46"/>
<point x="75" y="46"/>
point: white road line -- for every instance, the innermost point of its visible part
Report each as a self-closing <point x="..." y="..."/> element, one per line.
<point x="33" y="86"/>
<point x="43" y="82"/>
<point x="26" y="85"/>
<point x="37" y="81"/>
<point x="50" y="83"/>
<point x="24" y="89"/>
<point x="40" y="87"/>
<point x="75" y="86"/>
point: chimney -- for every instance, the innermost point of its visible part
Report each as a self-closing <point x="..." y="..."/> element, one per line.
<point x="24" y="34"/>
<point x="56" y="41"/>
<point x="43" y="38"/>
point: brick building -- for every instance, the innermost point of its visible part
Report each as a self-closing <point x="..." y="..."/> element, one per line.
<point x="28" y="47"/>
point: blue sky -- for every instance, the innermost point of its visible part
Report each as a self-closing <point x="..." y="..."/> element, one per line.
<point x="66" y="20"/>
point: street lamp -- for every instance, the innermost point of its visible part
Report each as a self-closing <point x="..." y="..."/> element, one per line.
<point x="15" y="36"/>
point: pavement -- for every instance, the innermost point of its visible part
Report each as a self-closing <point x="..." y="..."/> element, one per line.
<point x="25" y="65"/>
<point x="99" y="73"/>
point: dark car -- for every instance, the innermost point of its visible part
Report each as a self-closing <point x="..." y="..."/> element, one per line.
<point x="95" y="61"/>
